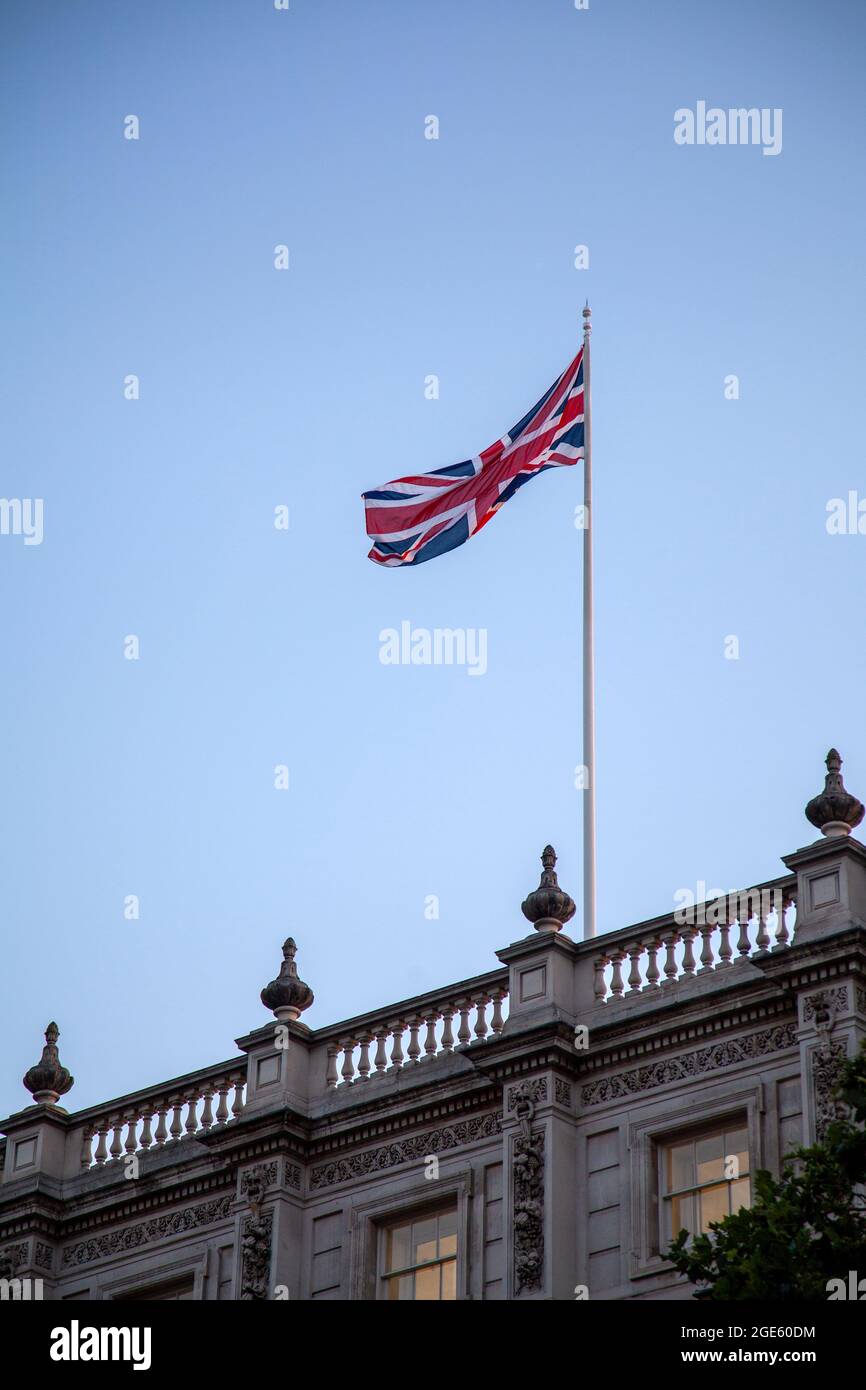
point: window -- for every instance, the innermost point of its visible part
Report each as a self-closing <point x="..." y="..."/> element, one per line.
<point x="704" y="1179"/>
<point x="419" y="1258"/>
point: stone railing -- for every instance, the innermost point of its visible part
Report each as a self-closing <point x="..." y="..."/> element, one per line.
<point x="161" y="1115"/>
<point x="696" y="940"/>
<point x="415" y="1030"/>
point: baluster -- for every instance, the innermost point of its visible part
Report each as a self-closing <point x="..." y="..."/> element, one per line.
<point x="116" y="1146"/>
<point x="331" y="1077"/>
<point x="222" y="1113"/>
<point x="364" y="1059"/>
<point x="101" y="1154"/>
<point x="725" y="951"/>
<point x="635" y="952"/>
<point x="447" y="1034"/>
<point x="762" y="941"/>
<point x="381" y="1058"/>
<point x="191" y="1114"/>
<point x="496" y="1023"/>
<point x="397" y="1044"/>
<point x="348" y="1067"/>
<point x="480" y="1017"/>
<point x="599" y="983"/>
<point x="414" y="1044"/>
<point x="617" y="988"/>
<point x="132" y="1134"/>
<point x="688" y="955"/>
<point x="161" y="1134"/>
<point x="652" y="970"/>
<point x="706" y="949"/>
<point x="146" y="1138"/>
<point x="176" y="1128"/>
<point x="430" y="1043"/>
<point x="744" y="945"/>
<point x="670" y="942"/>
<point x="207" y="1110"/>
<point x="781" y="925"/>
<point x="86" y="1148"/>
<point x="464" y="1033"/>
<point x="238" y="1100"/>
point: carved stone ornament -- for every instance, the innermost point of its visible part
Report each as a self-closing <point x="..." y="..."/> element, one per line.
<point x="528" y="1173"/>
<point x="287" y="995"/>
<point x="549" y="907"/>
<point x="256" y="1244"/>
<point x="827" y="1063"/>
<point x="827" y="1059"/>
<point x="11" y="1258"/>
<point x="412" y="1150"/>
<point x="262" y="1176"/>
<point x="826" y="1002"/>
<point x="144" y="1232"/>
<point x="835" y="811"/>
<point x="535" y="1090"/>
<point x="705" y="1059"/>
<point x="48" y="1080"/>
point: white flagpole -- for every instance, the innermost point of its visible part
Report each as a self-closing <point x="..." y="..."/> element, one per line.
<point x="588" y="649"/>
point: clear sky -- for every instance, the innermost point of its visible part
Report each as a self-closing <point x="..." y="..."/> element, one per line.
<point x="408" y="257"/>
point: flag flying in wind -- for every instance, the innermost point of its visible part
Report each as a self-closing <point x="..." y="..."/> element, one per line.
<point x="416" y="518"/>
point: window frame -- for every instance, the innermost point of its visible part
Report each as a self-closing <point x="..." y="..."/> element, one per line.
<point x="385" y="1276"/>
<point x="701" y="1130"/>
<point x="739" y="1105"/>
<point x="371" y="1219"/>
<point x="123" y="1284"/>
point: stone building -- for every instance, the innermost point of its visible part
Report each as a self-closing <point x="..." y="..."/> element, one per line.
<point x="535" y="1132"/>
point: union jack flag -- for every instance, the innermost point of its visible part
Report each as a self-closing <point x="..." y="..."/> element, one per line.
<point x="416" y="518"/>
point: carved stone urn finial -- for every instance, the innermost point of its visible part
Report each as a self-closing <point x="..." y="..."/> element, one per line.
<point x="287" y="996"/>
<point x="48" y="1081"/>
<point x="549" y="907"/>
<point x="835" y="811"/>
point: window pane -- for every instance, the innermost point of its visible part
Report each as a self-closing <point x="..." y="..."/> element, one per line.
<point x="427" y="1284"/>
<point x="449" y="1280"/>
<point x="682" y="1215"/>
<point x="399" y="1247"/>
<point x="400" y="1288"/>
<point x="448" y="1223"/>
<point x="714" y="1204"/>
<point x="737" y="1146"/>
<point x="424" y="1240"/>
<point x="448" y="1233"/>
<point x="710" y="1155"/>
<point x="681" y="1168"/>
<point x="741" y="1194"/>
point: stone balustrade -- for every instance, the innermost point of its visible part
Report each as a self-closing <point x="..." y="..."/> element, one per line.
<point x="691" y="942"/>
<point x="710" y="936"/>
<point x="416" y="1030"/>
<point x="160" y="1116"/>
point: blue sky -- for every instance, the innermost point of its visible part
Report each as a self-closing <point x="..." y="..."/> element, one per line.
<point x="408" y="257"/>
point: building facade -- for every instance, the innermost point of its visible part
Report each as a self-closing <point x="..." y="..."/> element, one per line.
<point x="536" y="1132"/>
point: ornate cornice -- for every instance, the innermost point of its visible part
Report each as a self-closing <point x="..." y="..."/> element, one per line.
<point x="416" y="1149"/>
<point x="649" y="1042"/>
<point x="691" y="1064"/>
<point x="146" y="1232"/>
<point x="397" y="1122"/>
<point x="154" y="1199"/>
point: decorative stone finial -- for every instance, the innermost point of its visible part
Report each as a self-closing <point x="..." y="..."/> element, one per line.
<point x="287" y="996"/>
<point x="549" y="907"/>
<point x="835" y="811"/>
<point x="48" y="1081"/>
